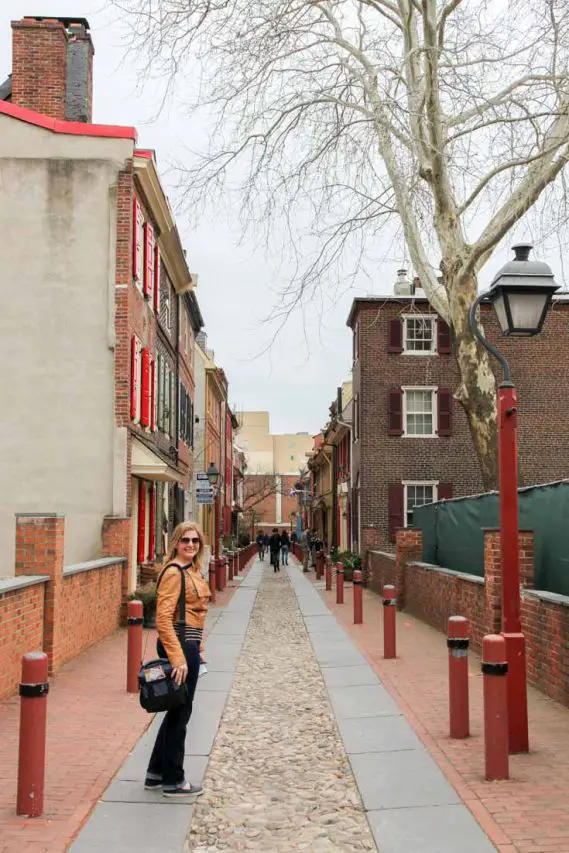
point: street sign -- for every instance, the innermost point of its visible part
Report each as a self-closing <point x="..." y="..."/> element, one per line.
<point x="204" y="489"/>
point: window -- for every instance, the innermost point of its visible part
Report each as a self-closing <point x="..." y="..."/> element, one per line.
<point x="419" y="336"/>
<point x="355" y="343"/>
<point x="418" y="494"/>
<point x="167" y="307"/>
<point x="356" y="417"/>
<point x="419" y="416"/>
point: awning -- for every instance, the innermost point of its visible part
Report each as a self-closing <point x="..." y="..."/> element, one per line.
<point x="145" y="463"/>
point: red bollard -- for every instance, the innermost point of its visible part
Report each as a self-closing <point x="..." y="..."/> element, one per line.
<point x="134" y="621"/>
<point x="328" y="575"/>
<point x="218" y="574"/>
<point x="358" y="582"/>
<point x="457" y="642"/>
<point x="212" y="580"/>
<point x="389" y="622"/>
<point x="34" y="688"/>
<point x="339" y="583"/>
<point x="229" y="564"/>
<point x="495" y="671"/>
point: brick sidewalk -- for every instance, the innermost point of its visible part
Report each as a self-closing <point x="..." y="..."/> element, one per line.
<point x="93" y="724"/>
<point x="528" y="813"/>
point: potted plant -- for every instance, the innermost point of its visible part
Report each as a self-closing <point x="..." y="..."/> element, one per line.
<point x="147" y="594"/>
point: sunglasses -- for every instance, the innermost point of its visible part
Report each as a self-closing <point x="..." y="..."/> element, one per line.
<point x="190" y="540"/>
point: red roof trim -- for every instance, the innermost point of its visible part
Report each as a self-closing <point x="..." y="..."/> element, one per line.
<point x="74" y="128"/>
<point x="144" y="152"/>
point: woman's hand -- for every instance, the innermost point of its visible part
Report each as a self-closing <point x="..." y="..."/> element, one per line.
<point x="180" y="673"/>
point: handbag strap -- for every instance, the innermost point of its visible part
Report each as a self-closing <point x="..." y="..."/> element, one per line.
<point x="182" y="598"/>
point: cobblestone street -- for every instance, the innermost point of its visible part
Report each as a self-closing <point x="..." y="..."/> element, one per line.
<point x="279" y="778"/>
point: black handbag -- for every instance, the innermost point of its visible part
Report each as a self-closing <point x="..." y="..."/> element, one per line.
<point x="157" y="689"/>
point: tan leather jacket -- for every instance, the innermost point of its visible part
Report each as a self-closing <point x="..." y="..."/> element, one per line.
<point x="197" y="603"/>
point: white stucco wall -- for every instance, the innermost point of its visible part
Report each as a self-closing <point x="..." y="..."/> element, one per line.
<point x="58" y="448"/>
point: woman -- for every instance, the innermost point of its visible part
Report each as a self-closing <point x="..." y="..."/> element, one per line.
<point x="285" y="547"/>
<point x="166" y="767"/>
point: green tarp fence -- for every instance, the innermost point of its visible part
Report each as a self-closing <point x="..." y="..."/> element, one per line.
<point x="453" y="532"/>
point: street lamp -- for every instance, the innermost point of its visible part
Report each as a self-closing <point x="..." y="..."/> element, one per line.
<point x="213" y="476"/>
<point x="521" y="294"/>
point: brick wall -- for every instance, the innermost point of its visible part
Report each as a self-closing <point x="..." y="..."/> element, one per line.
<point x="381" y="569"/>
<point x="60" y="611"/>
<point x="90" y="608"/>
<point x="380" y="459"/>
<point x="21" y="630"/>
<point x="433" y="594"/>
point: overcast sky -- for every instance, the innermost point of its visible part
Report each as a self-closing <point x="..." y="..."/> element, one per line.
<point x="296" y="378"/>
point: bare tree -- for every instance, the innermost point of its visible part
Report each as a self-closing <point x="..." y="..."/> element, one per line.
<point x="449" y="117"/>
<point x="259" y="487"/>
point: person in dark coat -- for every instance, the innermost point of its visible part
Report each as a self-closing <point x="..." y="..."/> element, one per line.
<point x="275" y="549"/>
<point x="285" y="547"/>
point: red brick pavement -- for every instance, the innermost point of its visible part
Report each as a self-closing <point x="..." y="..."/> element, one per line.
<point x="529" y="813"/>
<point x="93" y="724"/>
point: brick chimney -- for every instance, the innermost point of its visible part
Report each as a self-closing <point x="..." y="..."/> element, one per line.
<point x="52" y="67"/>
<point x="80" y="52"/>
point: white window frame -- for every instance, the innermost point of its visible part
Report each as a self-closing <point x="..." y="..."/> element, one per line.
<point x="140" y="235"/>
<point x="432" y="319"/>
<point x="433" y="389"/>
<point x="434" y="484"/>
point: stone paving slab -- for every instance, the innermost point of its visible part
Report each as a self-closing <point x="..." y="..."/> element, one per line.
<point x="378" y="734"/>
<point x="368" y="700"/>
<point x="349" y="676"/>
<point x="444" y="829"/>
<point x="140" y="827"/>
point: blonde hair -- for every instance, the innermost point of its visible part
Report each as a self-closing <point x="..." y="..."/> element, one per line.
<point x="180" y="530"/>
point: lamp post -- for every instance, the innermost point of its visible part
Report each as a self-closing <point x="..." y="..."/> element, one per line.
<point x="521" y="294"/>
<point x="213" y="476"/>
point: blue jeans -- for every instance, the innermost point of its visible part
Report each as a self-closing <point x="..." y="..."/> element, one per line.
<point x="284" y="552"/>
<point x="167" y="759"/>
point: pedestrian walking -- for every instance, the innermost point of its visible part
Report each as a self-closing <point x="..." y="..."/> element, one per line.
<point x="185" y="653"/>
<point x="266" y="541"/>
<point x="285" y="547"/>
<point x="275" y="548"/>
<point x="260" y="540"/>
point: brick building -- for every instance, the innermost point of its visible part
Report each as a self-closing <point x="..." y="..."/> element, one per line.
<point x="411" y="441"/>
<point x="91" y="337"/>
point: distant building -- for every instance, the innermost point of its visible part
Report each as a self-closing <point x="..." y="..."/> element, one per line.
<point x="273" y="466"/>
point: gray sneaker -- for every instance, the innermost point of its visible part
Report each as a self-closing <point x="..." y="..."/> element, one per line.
<point x="185" y="790"/>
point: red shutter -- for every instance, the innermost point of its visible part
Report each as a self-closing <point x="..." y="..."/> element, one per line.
<point x="149" y="260"/>
<point x="444" y="342"/>
<point x="141" y="550"/>
<point x="445" y="491"/>
<point x="145" y="392"/>
<point x="395" y="412"/>
<point x="156" y="278"/>
<point x="445" y="412"/>
<point x="152" y="520"/>
<point x="153" y="400"/>
<point x="395" y="337"/>
<point x="395" y="509"/>
<point x="135" y="216"/>
<point x="133" y="376"/>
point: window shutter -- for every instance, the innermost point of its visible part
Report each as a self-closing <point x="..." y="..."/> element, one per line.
<point x="145" y="392"/>
<point x="444" y="342"/>
<point x="133" y="376"/>
<point x="395" y="337"/>
<point x="172" y="404"/>
<point x="156" y="279"/>
<point x="182" y="418"/>
<point x="148" y="279"/>
<point x="135" y="217"/>
<point x="151" y="520"/>
<point x="191" y="416"/>
<point x="395" y="412"/>
<point x="395" y="509"/>
<point x="445" y="491"/>
<point x="153" y="394"/>
<point x="444" y="412"/>
<point x="160" y="394"/>
<point x="141" y="550"/>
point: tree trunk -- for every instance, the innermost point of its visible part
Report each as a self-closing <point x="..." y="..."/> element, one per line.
<point x="477" y="392"/>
